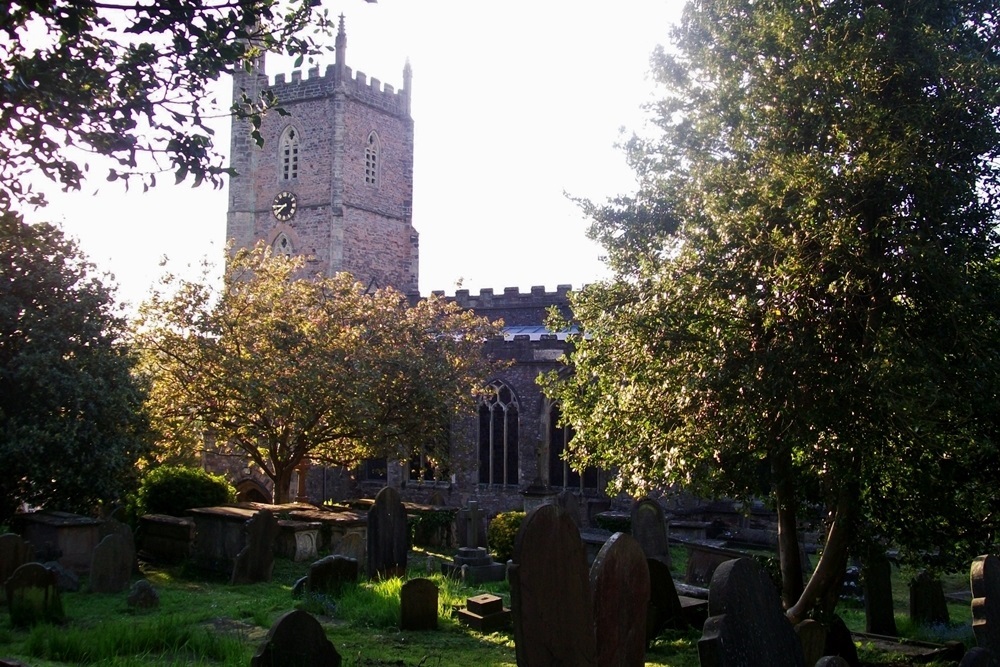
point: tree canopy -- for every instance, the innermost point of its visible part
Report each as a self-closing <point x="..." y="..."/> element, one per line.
<point x="72" y="425"/>
<point x="128" y="79"/>
<point x="806" y="294"/>
<point x="284" y="367"/>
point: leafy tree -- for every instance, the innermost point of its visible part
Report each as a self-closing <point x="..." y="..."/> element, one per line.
<point x="806" y="294"/>
<point x="72" y="424"/>
<point x="282" y="368"/>
<point x="126" y="79"/>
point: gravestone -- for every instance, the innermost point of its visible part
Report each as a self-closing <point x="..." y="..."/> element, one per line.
<point x="649" y="528"/>
<point x="619" y="590"/>
<point x="329" y="575"/>
<point x="746" y="625"/>
<point x="67" y="581"/>
<point x="985" y="580"/>
<point x="570" y="504"/>
<point x="14" y="552"/>
<point x="550" y="593"/>
<point x="928" y="605"/>
<point x="484" y="612"/>
<point x="255" y="562"/>
<point x="296" y="640"/>
<point x="812" y="635"/>
<point x="665" y="609"/>
<point x="470" y="526"/>
<point x="351" y="545"/>
<point x="840" y="642"/>
<point x="142" y="595"/>
<point x="111" y="565"/>
<point x="977" y="656"/>
<point x="418" y="604"/>
<point x="114" y="527"/>
<point x="387" y="536"/>
<point x="832" y="661"/>
<point x="876" y="574"/>
<point x="32" y="596"/>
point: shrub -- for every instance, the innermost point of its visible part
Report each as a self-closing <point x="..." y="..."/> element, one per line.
<point x="501" y="533"/>
<point x="174" y="489"/>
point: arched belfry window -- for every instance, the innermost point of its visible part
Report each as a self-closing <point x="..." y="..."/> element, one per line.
<point x="288" y="153"/>
<point x="498" y="435"/>
<point x="283" y="246"/>
<point x="373" y="159"/>
<point x="561" y="476"/>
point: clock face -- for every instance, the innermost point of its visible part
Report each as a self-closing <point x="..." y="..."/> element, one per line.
<point x="283" y="206"/>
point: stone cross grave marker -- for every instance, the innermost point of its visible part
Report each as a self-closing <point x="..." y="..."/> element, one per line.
<point x="296" y="640"/>
<point x="32" y="596"/>
<point x="111" y="565"/>
<point x="619" y="588"/>
<point x="550" y="593"/>
<point x="649" y="527"/>
<point x="985" y="580"/>
<point x="746" y="625"/>
<point x="470" y="526"/>
<point x="418" y="605"/>
<point x="14" y="552"/>
<point x="329" y="575"/>
<point x="255" y="562"/>
<point x="387" y="536"/>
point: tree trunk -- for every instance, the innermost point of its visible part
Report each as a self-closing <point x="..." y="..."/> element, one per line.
<point x="789" y="554"/>
<point x="282" y="482"/>
<point x="823" y="588"/>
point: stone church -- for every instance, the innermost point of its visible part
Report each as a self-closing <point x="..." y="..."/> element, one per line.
<point x="334" y="182"/>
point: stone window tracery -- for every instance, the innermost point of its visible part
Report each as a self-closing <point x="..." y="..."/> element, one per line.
<point x="561" y="476"/>
<point x="373" y="160"/>
<point x="498" y="436"/>
<point x="288" y="150"/>
<point x="283" y="246"/>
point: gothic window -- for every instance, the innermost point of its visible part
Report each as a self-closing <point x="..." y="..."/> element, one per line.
<point x="283" y="246"/>
<point x="373" y="160"/>
<point x="374" y="470"/>
<point x="288" y="149"/>
<point x="561" y="476"/>
<point x="427" y="463"/>
<point x="498" y="436"/>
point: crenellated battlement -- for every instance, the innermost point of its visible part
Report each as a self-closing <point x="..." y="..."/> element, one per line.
<point x="512" y="297"/>
<point x="311" y="83"/>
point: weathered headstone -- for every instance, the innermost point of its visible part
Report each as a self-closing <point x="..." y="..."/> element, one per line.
<point x="985" y="580"/>
<point x="255" y="562"/>
<point x="570" y="504"/>
<point x="665" y="609"/>
<point x="296" y="640"/>
<point x="111" y="565"/>
<point x="387" y="536"/>
<point x="418" y="600"/>
<point x="876" y="575"/>
<point x="142" y="595"/>
<point x="649" y="528"/>
<point x="619" y="589"/>
<point x="32" y="596"/>
<point x="329" y="575"/>
<point x="812" y="635"/>
<point x="928" y="605"/>
<point x="14" y="552"/>
<point x="746" y="625"/>
<point x="351" y="545"/>
<point x="550" y="593"/>
<point x="114" y="527"/>
<point x="840" y="642"/>
<point x="977" y="656"/>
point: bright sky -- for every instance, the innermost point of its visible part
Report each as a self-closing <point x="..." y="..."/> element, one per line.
<point x="514" y="104"/>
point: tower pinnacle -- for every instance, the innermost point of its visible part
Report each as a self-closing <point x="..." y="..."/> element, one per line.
<point x="341" y="47"/>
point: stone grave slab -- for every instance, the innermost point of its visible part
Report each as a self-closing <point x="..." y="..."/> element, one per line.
<point x="550" y="593"/>
<point x="746" y="625"/>
<point x="928" y="605"/>
<point x="985" y="581"/>
<point x="620" y="591"/>
<point x="297" y="541"/>
<point x="329" y="575"/>
<point x="484" y="612"/>
<point x="111" y="565"/>
<point x="63" y="536"/>
<point x="702" y="561"/>
<point x="418" y="604"/>
<point x="15" y="551"/>
<point x="665" y="610"/>
<point x="296" y="640"/>
<point x="33" y="596"/>
<point x="388" y="536"/>
<point x="255" y="562"/>
<point x="164" y="539"/>
<point x="649" y="528"/>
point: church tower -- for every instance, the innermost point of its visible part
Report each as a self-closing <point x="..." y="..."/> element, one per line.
<point x="334" y="179"/>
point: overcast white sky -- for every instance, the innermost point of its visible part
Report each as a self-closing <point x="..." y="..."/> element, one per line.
<point x="514" y="104"/>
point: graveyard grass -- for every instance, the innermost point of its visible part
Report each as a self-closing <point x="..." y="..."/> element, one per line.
<point x="210" y="622"/>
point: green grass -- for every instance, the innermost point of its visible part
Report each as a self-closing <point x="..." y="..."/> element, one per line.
<point x="208" y="622"/>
